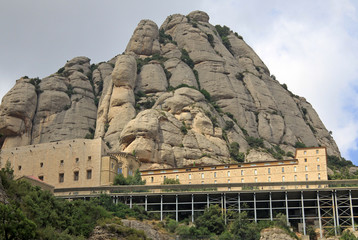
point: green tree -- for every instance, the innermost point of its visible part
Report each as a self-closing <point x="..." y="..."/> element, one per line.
<point x="212" y="220"/>
<point x="14" y="225"/>
<point x="130" y="180"/>
<point x="242" y="228"/>
<point x="171" y="181"/>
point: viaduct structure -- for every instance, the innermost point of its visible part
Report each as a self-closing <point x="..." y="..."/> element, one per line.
<point x="331" y="209"/>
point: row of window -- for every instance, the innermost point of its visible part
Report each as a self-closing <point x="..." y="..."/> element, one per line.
<point x="255" y="171"/>
<point x="225" y="167"/>
<point x="77" y="160"/>
<point x="243" y="180"/>
<point x="76" y="176"/>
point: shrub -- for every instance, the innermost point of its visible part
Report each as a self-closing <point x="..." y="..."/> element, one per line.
<point x="211" y="40"/>
<point x="183" y="128"/>
<point x="211" y="220"/>
<point x="164" y="37"/>
<point x="228" y="125"/>
<point x="206" y="94"/>
<point x="234" y="152"/>
<point x="130" y="180"/>
<point x="300" y="145"/>
<point x="171" y="225"/>
<point x="240" y="76"/>
<point x="60" y="71"/>
<point x="255" y="142"/>
<point x="186" y="58"/>
<point x="171" y="181"/>
<point x="70" y="90"/>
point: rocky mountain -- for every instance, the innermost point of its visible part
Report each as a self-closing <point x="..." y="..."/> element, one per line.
<point x="187" y="92"/>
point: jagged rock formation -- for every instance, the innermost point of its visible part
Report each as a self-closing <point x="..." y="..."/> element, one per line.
<point x="137" y="102"/>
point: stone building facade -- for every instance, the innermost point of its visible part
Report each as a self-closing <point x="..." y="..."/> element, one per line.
<point x="70" y="163"/>
<point x="309" y="164"/>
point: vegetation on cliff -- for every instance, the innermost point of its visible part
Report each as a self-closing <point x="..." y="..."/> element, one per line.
<point x="32" y="213"/>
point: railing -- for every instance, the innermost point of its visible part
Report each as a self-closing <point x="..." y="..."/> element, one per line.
<point x="276" y="186"/>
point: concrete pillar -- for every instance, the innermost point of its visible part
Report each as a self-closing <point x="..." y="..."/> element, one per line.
<point x="351" y="207"/>
<point x="334" y="215"/>
<point x="286" y="205"/>
<point x="225" y="208"/>
<point x="303" y="214"/>
<point x="319" y="216"/>
<point x="255" y="213"/>
<point x="207" y="201"/>
<point x="238" y="202"/>
<point x="192" y="207"/>
<point x="271" y="217"/>
<point x="176" y="209"/>
<point x="146" y="203"/>
<point x="130" y="202"/>
<point x="337" y="214"/>
<point x="161" y="207"/>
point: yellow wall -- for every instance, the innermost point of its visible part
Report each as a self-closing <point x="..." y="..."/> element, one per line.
<point x="293" y="170"/>
<point x="79" y="155"/>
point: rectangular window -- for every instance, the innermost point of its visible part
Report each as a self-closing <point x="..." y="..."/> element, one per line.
<point x="19" y="167"/>
<point x="228" y="181"/>
<point x="283" y="169"/>
<point x="202" y="175"/>
<point x="228" y="173"/>
<point x="177" y="176"/>
<point x="317" y="159"/>
<point x="112" y="165"/>
<point x="165" y="177"/>
<point x="319" y="176"/>
<point x="76" y="176"/>
<point x="269" y="179"/>
<point x="269" y="170"/>
<point x="214" y="174"/>
<point x="306" y="168"/>
<point x="89" y="158"/>
<point x="41" y="178"/>
<point x="318" y="167"/>
<point x="77" y="160"/>
<point x="189" y="176"/>
<point x="202" y="182"/>
<point x="306" y="177"/>
<point x="295" y="169"/>
<point x="188" y="169"/>
<point x="295" y="177"/>
<point x="61" y="177"/>
<point x="151" y="179"/>
<point x="163" y="171"/>
<point x="200" y="169"/>
<point x="242" y="172"/>
<point x="213" y="167"/>
<point x="226" y="166"/>
<point x="242" y="180"/>
<point x="89" y="174"/>
<point x="175" y="170"/>
<point x="283" y="178"/>
<point x="305" y="159"/>
<point x="215" y="181"/>
<point x="304" y="152"/>
<point x="61" y="162"/>
<point x="255" y="179"/>
<point x="255" y="171"/>
<point x="41" y="164"/>
<point x="317" y="151"/>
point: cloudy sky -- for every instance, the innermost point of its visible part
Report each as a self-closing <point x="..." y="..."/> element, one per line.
<point x="312" y="46"/>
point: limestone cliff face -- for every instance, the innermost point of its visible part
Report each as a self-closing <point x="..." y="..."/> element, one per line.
<point x="184" y="93"/>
